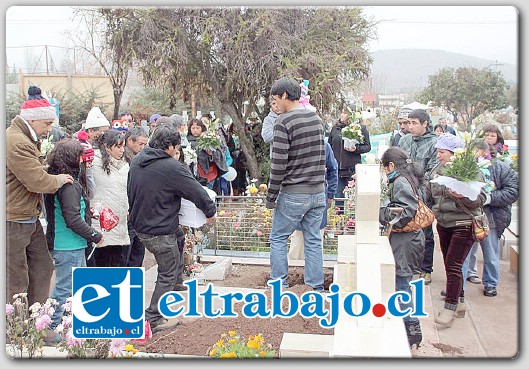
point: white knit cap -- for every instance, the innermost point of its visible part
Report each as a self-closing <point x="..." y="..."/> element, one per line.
<point x="96" y="119"/>
<point x="37" y="110"/>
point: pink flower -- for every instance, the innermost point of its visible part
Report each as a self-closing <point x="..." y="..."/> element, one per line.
<point x="72" y="341"/>
<point x="259" y="233"/>
<point x="350" y="222"/>
<point x="42" y="322"/>
<point x="9" y="309"/>
<point x="148" y="333"/>
<point x="116" y="346"/>
<point x="236" y="225"/>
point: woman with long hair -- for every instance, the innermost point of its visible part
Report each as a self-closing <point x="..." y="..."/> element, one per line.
<point x="404" y="179"/>
<point x="69" y="220"/>
<point x="110" y="173"/>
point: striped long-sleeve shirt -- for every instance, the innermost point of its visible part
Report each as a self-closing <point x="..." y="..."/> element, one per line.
<point x="298" y="155"/>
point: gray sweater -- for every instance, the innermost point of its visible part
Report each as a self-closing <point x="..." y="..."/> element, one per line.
<point x="298" y="155"/>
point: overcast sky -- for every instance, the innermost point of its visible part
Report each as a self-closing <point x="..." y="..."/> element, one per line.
<point x="489" y="32"/>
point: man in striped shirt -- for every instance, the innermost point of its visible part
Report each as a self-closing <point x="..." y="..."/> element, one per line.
<point x="296" y="188"/>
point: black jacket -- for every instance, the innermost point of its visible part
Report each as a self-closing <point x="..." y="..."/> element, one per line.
<point x="69" y="197"/>
<point x="156" y="184"/>
<point x="346" y="159"/>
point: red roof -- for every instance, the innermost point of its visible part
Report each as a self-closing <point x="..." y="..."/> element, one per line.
<point x="369" y="98"/>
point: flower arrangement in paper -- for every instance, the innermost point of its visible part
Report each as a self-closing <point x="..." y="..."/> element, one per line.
<point x="462" y="173"/>
<point x="230" y="346"/>
<point x="208" y="140"/>
<point x="26" y="325"/>
<point x="353" y="131"/>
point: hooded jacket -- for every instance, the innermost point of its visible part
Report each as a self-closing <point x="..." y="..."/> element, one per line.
<point x="346" y="159"/>
<point x="155" y="187"/>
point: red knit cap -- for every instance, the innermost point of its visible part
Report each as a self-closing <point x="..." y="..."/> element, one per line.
<point x="88" y="154"/>
<point x="37" y="110"/>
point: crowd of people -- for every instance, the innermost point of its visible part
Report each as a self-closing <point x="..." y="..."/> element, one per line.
<point x="142" y="173"/>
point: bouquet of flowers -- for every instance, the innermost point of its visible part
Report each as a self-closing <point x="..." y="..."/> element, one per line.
<point x="47" y="145"/>
<point x="208" y="140"/>
<point x="190" y="155"/>
<point x="462" y="172"/>
<point x="352" y="133"/>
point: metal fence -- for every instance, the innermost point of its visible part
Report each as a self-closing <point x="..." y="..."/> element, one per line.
<point x="243" y="226"/>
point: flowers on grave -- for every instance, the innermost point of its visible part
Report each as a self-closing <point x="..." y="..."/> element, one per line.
<point x="231" y="346"/>
<point x="195" y="268"/>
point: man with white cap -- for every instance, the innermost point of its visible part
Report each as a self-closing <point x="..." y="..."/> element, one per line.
<point x="28" y="262"/>
<point x="404" y="125"/>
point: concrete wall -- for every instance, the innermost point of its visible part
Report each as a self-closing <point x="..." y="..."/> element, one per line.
<point x="76" y="84"/>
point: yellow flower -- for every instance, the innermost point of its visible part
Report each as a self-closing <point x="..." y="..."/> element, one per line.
<point x="232" y="333"/>
<point x="232" y="341"/>
<point x="262" y="353"/>
<point x="263" y="187"/>
<point x="253" y="344"/>
<point x="220" y="343"/>
<point x="232" y="355"/>
<point x="459" y="151"/>
<point x="253" y="190"/>
<point x="213" y="352"/>
<point x="129" y="347"/>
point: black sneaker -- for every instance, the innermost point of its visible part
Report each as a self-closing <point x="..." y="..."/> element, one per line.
<point x="163" y="325"/>
<point x="413" y="331"/>
<point x="490" y="291"/>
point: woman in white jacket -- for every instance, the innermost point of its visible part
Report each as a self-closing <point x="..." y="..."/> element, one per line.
<point x="110" y="172"/>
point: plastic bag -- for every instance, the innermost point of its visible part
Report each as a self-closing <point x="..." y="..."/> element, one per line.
<point x="107" y="219"/>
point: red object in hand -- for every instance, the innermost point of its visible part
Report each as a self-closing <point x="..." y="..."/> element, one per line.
<point x="107" y="219"/>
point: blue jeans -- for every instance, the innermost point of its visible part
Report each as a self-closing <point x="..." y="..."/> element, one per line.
<point x="64" y="262"/>
<point x="303" y="211"/>
<point x="491" y="260"/>
<point x="403" y="284"/>
<point x="168" y="252"/>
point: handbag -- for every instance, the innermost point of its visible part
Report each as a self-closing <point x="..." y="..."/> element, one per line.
<point x="480" y="225"/>
<point x="423" y="218"/>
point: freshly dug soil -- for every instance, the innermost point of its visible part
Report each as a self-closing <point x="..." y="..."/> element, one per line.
<point x="196" y="336"/>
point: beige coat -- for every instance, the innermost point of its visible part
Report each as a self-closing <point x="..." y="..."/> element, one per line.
<point x="26" y="179"/>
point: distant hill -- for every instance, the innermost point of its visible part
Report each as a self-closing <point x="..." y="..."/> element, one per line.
<point x="407" y="70"/>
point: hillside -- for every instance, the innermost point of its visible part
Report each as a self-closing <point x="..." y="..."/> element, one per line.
<point x="407" y="70"/>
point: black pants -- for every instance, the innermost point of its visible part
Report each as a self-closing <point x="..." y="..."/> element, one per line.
<point x="110" y="256"/>
<point x="134" y="253"/>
